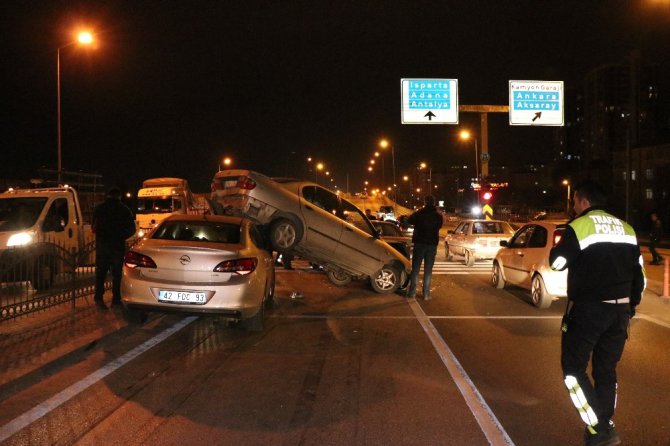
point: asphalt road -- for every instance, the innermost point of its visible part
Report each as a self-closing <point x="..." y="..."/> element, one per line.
<point x="337" y="366"/>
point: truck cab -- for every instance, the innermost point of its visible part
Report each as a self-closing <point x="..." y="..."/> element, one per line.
<point x="160" y="197"/>
<point x="42" y="222"/>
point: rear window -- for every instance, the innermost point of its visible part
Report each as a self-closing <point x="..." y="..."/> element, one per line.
<point x="201" y="231"/>
<point x="490" y="227"/>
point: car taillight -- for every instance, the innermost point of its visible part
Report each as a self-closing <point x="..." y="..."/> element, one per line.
<point x="136" y="260"/>
<point x="246" y="183"/>
<point x="237" y="266"/>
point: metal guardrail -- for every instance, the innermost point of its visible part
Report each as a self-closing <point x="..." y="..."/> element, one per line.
<point x="43" y="275"/>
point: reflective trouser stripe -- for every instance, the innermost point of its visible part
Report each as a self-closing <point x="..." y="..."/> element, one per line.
<point x="579" y="400"/>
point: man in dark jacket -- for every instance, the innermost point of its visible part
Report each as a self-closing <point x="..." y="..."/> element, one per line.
<point x="655" y="234"/>
<point x="427" y="222"/>
<point x="605" y="284"/>
<point x="113" y="223"/>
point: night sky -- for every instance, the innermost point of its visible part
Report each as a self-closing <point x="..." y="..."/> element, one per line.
<point x="174" y="86"/>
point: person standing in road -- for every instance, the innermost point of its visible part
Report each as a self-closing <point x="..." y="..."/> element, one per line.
<point x="113" y="223"/>
<point x="655" y="234"/>
<point x="427" y="222"/>
<point x="605" y="284"/>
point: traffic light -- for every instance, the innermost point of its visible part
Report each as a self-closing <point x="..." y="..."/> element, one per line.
<point x="486" y="196"/>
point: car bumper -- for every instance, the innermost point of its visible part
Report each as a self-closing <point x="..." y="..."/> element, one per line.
<point x="238" y="298"/>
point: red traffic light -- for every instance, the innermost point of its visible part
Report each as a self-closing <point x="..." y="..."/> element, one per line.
<point x="486" y="196"/>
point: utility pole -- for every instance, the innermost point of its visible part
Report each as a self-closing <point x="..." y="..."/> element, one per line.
<point x="483" y="111"/>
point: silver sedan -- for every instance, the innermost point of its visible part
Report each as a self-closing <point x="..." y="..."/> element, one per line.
<point x="201" y="264"/>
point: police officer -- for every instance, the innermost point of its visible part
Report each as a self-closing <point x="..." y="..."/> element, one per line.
<point x="605" y="284"/>
<point x="113" y="223"/>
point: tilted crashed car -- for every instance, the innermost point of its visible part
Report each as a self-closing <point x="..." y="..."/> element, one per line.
<point x="312" y="222"/>
<point x="524" y="261"/>
<point x="476" y="239"/>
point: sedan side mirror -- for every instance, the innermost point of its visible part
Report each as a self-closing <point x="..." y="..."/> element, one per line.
<point x="504" y="243"/>
<point x="450" y="231"/>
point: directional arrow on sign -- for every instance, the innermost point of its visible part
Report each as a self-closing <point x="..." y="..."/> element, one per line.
<point x="538" y="115"/>
<point x="430" y="115"/>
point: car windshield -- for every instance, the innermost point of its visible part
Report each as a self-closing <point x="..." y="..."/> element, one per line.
<point x="17" y="214"/>
<point x="157" y="205"/>
<point x="491" y="227"/>
<point x="201" y="231"/>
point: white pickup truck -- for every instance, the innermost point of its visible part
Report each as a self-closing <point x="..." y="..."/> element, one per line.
<point x="42" y="232"/>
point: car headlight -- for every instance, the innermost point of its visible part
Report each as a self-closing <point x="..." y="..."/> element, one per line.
<point x="20" y="239"/>
<point x="476" y="210"/>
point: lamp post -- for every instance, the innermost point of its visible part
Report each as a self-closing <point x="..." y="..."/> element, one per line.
<point x="567" y="200"/>
<point x="84" y="38"/>
<point x="319" y="166"/>
<point x="465" y="135"/>
<point x="384" y="144"/>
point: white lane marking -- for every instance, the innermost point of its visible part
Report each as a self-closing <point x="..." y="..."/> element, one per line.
<point x="485" y="417"/>
<point x="652" y="320"/>
<point x="62" y="397"/>
<point x="356" y="316"/>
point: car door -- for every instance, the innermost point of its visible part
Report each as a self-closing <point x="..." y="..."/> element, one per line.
<point x="458" y="239"/>
<point x="535" y="253"/>
<point x="323" y="228"/>
<point x="514" y="265"/>
<point x="59" y="227"/>
<point x="359" y="248"/>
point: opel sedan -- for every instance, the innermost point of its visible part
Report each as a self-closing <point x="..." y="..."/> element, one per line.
<point x="201" y="264"/>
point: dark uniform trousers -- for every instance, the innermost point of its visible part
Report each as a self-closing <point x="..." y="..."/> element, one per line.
<point x="600" y="329"/>
<point x="108" y="257"/>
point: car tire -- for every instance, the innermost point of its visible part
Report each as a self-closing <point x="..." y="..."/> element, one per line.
<point x="339" y="278"/>
<point x="386" y="280"/>
<point x="42" y="276"/>
<point x="134" y="316"/>
<point x="270" y="300"/>
<point x="538" y="293"/>
<point x="469" y="258"/>
<point x="497" y="279"/>
<point x="283" y="235"/>
<point x="255" y="322"/>
<point x="448" y="253"/>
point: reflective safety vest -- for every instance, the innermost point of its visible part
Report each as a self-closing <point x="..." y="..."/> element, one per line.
<point x="598" y="226"/>
<point x="602" y="257"/>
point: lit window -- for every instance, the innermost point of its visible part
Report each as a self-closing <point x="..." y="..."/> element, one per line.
<point x="632" y="175"/>
<point x="649" y="194"/>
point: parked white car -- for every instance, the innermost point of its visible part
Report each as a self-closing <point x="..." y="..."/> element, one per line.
<point x="524" y="261"/>
<point x="476" y="239"/>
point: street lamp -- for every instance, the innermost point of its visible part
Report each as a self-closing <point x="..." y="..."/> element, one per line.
<point x="227" y="162"/>
<point x="384" y="144"/>
<point x="319" y="166"/>
<point x="84" y="38"/>
<point x="465" y="135"/>
<point x="567" y="200"/>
